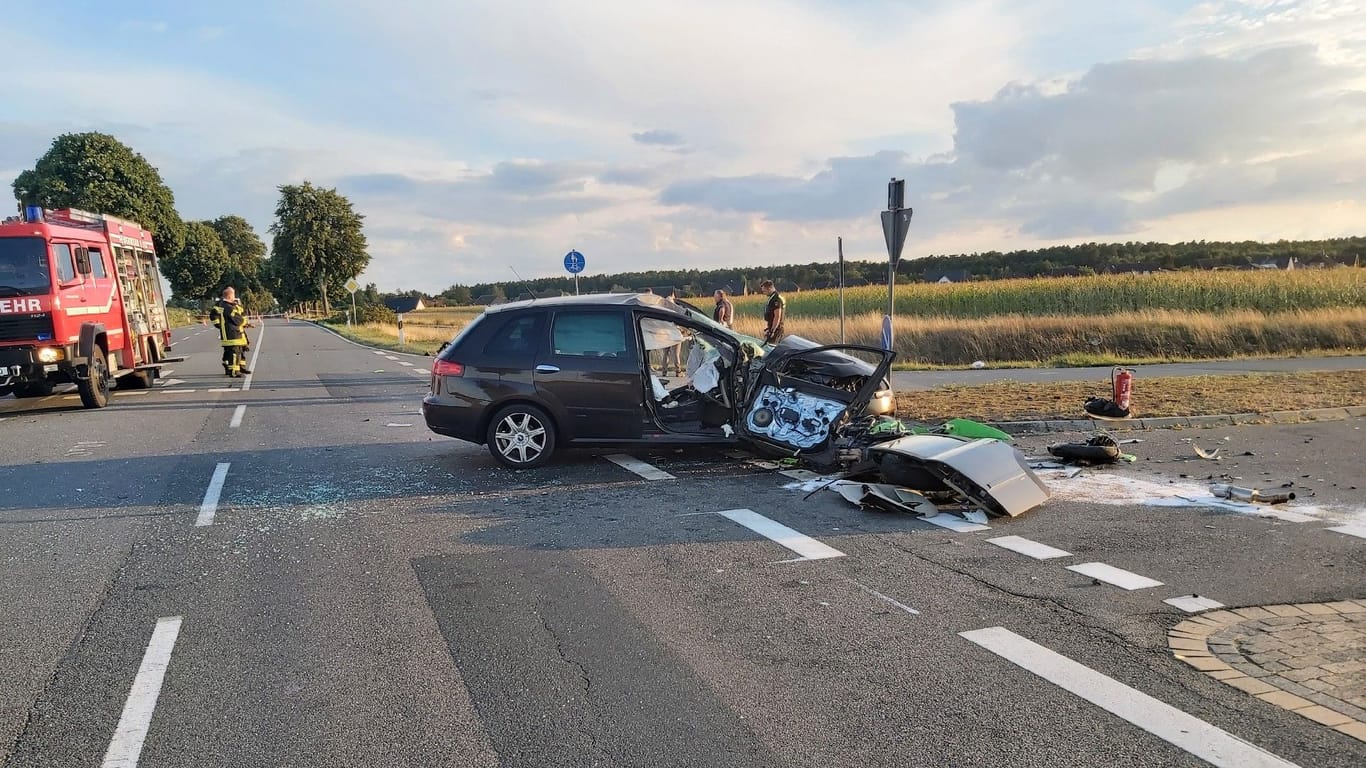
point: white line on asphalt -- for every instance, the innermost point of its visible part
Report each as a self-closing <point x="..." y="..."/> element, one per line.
<point x="1193" y="603"/>
<point x="401" y="362"/>
<point x="209" y="507"/>
<point x="126" y="746"/>
<point x="132" y="393"/>
<point x="1031" y="548"/>
<point x="237" y="415"/>
<point x="647" y="471"/>
<point x="880" y="596"/>
<point x="396" y="424"/>
<point x="390" y="357"/>
<point x="224" y="389"/>
<point x="178" y="391"/>
<point x="1112" y="575"/>
<point x="378" y="352"/>
<point x="954" y="523"/>
<point x="803" y="545"/>
<point x="1352" y="529"/>
<point x="255" y="355"/>
<point x="1213" y="745"/>
<point x="170" y="382"/>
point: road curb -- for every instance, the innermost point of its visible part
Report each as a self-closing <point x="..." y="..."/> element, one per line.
<point x="1181" y="422"/>
<point x="1211" y="643"/>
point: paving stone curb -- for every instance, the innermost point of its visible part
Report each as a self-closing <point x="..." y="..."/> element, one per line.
<point x="1181" y="422"/>
<point x="1201" y="642"/>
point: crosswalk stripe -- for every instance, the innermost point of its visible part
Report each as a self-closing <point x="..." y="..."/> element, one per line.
<point x="1207" y="742"/>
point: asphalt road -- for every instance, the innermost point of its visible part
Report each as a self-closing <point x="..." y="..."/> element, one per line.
<point x="365" y="593"/>
<point x="912" y="380"/>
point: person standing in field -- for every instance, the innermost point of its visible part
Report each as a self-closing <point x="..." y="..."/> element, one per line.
<point x="773" y="313"/>
<point x="724" y="313"/>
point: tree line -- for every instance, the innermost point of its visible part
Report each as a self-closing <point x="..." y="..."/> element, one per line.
<point x="1063" y="260"/>
<point x="318" y="241"/>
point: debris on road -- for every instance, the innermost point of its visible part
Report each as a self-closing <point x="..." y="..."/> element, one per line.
<point x="1204" y="454"/>
<point x="1101" y="448"/>
<point x="1225" y="491"/>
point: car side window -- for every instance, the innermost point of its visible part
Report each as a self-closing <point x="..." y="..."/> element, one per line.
<point x="518" y="337"/>
<point x="590" y="334"/>
<point x="66" y="268"/>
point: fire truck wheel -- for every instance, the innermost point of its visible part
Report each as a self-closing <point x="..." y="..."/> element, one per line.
<point x="95" y="389"/>
<point x="34" y="389"/>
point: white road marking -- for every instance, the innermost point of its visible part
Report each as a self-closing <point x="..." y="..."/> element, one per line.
<point x="237" y="415"/>
<point x="126" y="746"/>
<point x="1352" y="529"/>
<point x="1031" y="548"/>
<point x="179" y="391"/>
<point x="255" y="355"/>
<point x="1117" y="576"/>
<point x="880" y="596"/>
<point x="1213" y="745"/>
<point x="390" y="357"/>
<point x="170" y="382"/>
<point x="1193" y="603"/>
<point x="410" y="365"/>
<point x="805" y="546"/>
<point x="224" y="389"/>
<point x="132" y="393"/>
<point x="209" y="506"/>
<point x="378" y="352"/>
<point x="396" y="424"/>
<point x="645" y="470"/>
<point x="167" y="371"/>
<point x="954" y="523"/>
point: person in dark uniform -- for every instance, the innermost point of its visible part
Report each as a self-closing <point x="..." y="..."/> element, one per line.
<point x="773" y="313"/>
<point x="227" y="315"/>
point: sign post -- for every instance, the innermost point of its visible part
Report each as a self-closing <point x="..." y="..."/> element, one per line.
<point x="351" y="286"/>
<point x="896" y="222"/>
<point x="839" y="243"/>
<point x="573" y="264"/>
<point x="400" y="330"/>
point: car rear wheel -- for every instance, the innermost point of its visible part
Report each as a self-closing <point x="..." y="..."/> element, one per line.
<point x="521" y="437"/>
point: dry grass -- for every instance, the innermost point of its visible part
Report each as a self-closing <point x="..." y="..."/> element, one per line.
<point x="1172" y="396"/>
<point x="1161" y="334"/>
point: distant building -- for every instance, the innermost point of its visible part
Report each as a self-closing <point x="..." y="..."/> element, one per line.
<point x="948" y="276"/>
<point x="1286" y="263"/>
<point x="1133" y="269"/>
<point x="403" y="304"/>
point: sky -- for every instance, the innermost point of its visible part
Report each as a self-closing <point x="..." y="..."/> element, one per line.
<point x="483" y="137"/>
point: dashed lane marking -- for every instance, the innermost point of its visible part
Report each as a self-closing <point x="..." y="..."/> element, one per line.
<point x="1193" y="603"/>
<point x="1207" y="742"/>
<point x="401" y="362"/>
<point x="126" y="746"/>
<point x="1116" y="576"/>
<point x="1352" y="529"/>
<point x="237" y="415"/>
<point x="378" y="352"/>
<point x="209" y="507"/>
<point x="954" y="523"/>
<point x="224" y="389"/>
<point x="806" y="547"/>
<point x="1030" y="548"/>
<point x="644" y="469"/>
<point x="169" y="383"/>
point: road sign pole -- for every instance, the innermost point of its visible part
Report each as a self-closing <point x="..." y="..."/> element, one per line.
<point x="896" y="222"/>
<point x="576" y="284"/>
<point x="840" y="244"/>
<point x="353" y="310"/>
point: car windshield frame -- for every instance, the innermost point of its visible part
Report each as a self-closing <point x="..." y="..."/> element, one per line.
<point x="25" y="267"/>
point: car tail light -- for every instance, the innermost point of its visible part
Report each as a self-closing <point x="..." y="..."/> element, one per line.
<point x="447" y="368"/>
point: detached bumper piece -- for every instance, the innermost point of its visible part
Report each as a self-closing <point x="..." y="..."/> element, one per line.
<point x="987" y="472"/>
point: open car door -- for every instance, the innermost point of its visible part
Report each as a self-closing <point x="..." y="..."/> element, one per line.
<point x="800" y="394"/>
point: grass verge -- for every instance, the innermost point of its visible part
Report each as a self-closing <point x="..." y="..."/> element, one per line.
<point x="179" y="318"/>
<point x="381" y="339"/>
<point x="1169" y="396"/>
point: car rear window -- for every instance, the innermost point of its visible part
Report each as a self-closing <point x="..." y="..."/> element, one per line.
<point x="590" y="334"/>
<point x="519" y="336"/>
<point x="453" y="347"/>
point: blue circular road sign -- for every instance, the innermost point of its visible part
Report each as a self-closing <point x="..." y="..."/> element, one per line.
<point x="573" y="262"/>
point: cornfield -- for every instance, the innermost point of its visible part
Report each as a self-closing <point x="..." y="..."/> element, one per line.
<point x="1267" y="292"/>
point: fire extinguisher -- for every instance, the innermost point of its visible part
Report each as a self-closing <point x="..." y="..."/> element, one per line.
<point x="1122" y="385"/>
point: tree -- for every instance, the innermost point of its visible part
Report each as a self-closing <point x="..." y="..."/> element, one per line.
<point x="196" y="271"/>
<point x="97" y="172"/>
<point x="246" y="262"/>
<point x="457" y="294"/>
<point x="318" y="243"/>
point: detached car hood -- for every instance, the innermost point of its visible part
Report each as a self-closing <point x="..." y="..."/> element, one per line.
<point x="990" y="473"/>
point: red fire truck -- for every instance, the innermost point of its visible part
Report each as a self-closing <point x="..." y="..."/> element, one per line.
<point x="80" y="302"/>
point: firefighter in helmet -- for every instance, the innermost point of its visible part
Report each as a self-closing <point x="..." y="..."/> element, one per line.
<point x="230" y="319"/>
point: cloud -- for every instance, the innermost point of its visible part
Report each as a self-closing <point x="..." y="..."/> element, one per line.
<point x="658" y="137"/>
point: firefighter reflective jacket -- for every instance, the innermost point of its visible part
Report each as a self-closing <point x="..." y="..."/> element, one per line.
<point x="230" y="320"/>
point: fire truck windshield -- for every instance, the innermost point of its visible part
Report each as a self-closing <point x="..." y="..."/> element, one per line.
<point x="23" y="267"/>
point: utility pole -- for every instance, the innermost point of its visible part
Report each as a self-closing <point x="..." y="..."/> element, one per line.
<point x="896" y="222"/>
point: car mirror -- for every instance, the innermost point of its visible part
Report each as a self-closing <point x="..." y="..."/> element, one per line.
<point x="83" y="260"/>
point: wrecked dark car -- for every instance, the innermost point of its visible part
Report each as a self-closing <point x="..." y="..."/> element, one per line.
<point x="530" y="377"/>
